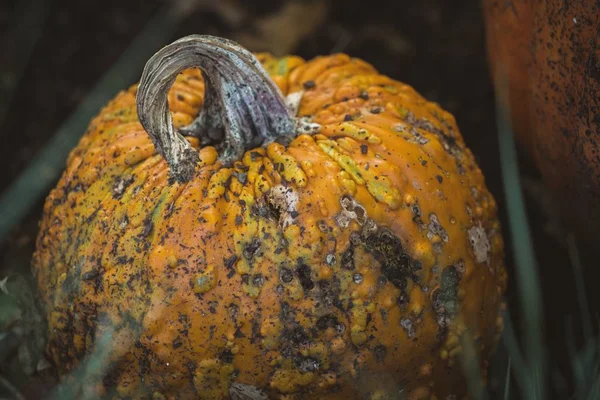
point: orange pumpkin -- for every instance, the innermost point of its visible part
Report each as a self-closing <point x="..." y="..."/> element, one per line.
<point x="340" y="245"/>
<point x="547" y="55"/>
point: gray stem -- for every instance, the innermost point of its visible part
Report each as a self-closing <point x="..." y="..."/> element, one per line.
<point x="243" y="108"/>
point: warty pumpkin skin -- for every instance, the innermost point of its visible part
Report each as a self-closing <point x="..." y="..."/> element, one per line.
<point x="546" y="55"/>
<point x="347" y="263"/>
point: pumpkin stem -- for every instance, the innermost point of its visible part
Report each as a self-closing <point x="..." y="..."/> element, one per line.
<point x="243" y="108"/>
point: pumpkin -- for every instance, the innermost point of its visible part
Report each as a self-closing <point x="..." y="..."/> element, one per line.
<point x="546" y="56"/>
<point x="275" y="227"/>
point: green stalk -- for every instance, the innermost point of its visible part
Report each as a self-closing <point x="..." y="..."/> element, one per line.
<point x="580" y="286"/>
<point x="507" y="381"/>
<point x="528" y="283"/>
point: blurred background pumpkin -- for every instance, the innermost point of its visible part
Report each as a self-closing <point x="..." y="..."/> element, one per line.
<point x="546" y="56"/>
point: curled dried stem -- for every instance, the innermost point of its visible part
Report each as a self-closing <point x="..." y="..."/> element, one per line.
<point x="243" y="107"/>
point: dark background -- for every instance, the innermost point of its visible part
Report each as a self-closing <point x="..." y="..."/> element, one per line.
<point x="437" y="46"/>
